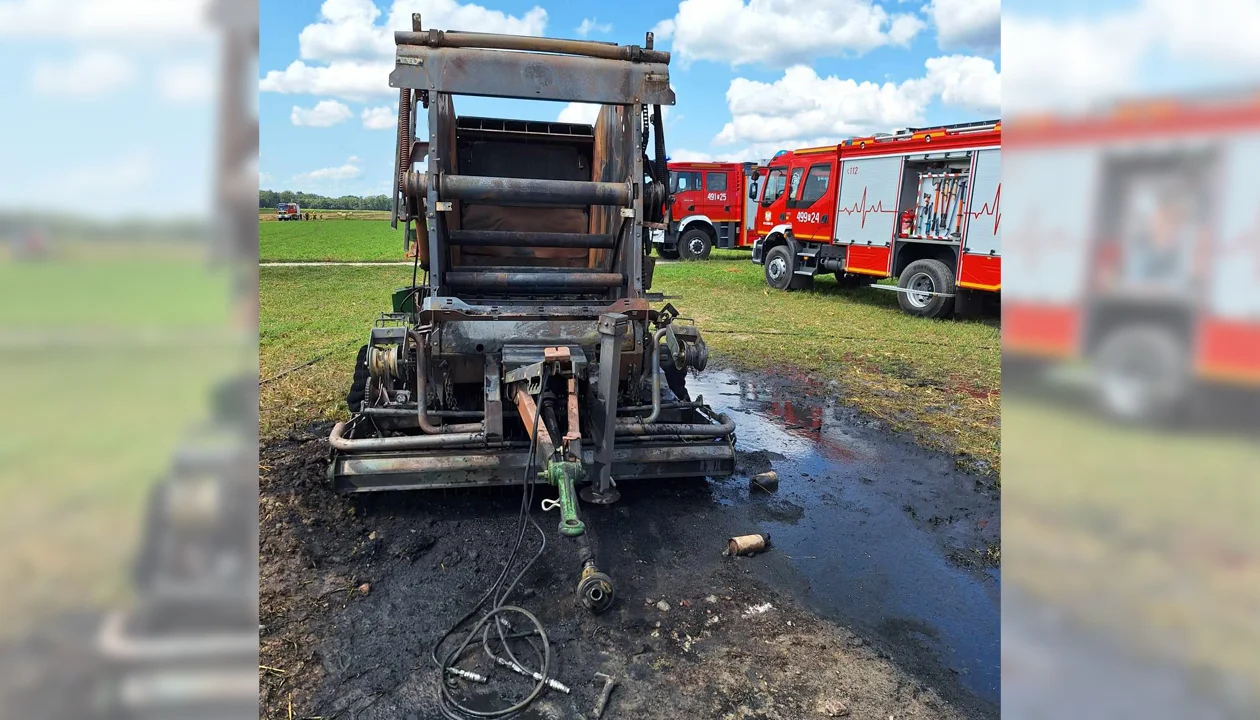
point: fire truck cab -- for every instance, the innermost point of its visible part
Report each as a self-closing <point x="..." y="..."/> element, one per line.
<point x="919" y="204"/>
<point x="711" y="209"/>
<point x="288" y="211"/>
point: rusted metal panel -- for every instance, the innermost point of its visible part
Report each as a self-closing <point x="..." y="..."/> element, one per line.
<point x="393" y="471"/>
<point x="530" y="43"/>
<point x="531" y="76"/>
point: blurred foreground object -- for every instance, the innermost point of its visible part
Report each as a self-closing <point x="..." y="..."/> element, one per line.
<point x="1131" y="364"/>
<point x="155" y="352"/>
<point x="1137" y="236"/>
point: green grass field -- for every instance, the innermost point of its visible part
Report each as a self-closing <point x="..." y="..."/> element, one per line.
<point x="1153" y="534"/>
<point x="329" y="240"/>
<point x="114" y="358"/>
<point x="939" y="380"/>
<point x="269" y="215"/>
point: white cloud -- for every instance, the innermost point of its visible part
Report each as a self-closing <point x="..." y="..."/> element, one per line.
<point x="685" y="155"/>
<point x="1069" y="65"/>
<point x="325" y="114"/>
<point x="590" y="25"/>
<point x="187" y="83"/>
<point x="781" y="33"/>
<point x="974" y="25"/>
<point x="801" y="104"/>
<point x="92" y="74"/>
<point x="802" y="109"/>
<point x="583" y="113"/>
<point x="348" y="171"/>
<point x="349" y="52"/>
<point x="379" y="118"/>
<point x="265" y="177"/>
<point x="349" y="28"/>
<point x="349" y="80"/>
<point x="966" y="81"/>
<point x="1222" y="33"/>
<point x="165" y="22"/>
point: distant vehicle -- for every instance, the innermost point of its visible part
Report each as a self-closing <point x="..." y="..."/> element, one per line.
<point x="920" y="205"/>
<point x="711" y="209"/>
<point x="288" y="211"/>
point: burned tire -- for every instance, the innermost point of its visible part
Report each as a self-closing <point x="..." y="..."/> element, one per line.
<point x="926" y="276"/>
<point x="1142" y="374"/>
<point x="695" y="244"/>
<point x="358" y="386"/>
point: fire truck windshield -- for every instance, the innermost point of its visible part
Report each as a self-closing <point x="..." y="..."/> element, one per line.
<point x="775" y="184"/>
<point x="684" y="180"/>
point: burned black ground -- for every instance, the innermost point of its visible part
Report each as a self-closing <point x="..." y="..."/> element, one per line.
<point x="868" y="614"/>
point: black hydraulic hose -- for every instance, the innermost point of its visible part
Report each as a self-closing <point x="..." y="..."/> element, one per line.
<point x="658" y="134"/>
<point x="447" y="704"/>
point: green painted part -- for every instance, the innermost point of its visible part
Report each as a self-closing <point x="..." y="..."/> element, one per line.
<point x="562" y="475"/>
<point x="402" y="301"/>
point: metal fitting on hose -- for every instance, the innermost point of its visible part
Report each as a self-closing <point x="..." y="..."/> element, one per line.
<point x="595" y="589"/>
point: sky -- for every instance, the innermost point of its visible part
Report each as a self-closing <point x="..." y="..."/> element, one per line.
<point x="751" y="76"/>
<point x="109" y="104"/>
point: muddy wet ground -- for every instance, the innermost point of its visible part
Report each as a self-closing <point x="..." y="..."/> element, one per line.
<point x="879" y="596"/>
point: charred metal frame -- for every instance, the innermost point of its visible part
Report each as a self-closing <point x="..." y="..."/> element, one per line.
<point x="545" y="312"/>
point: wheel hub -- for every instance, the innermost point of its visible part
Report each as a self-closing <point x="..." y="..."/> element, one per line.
<point x="777" y="268"/>
<point x="696" y="246"/>
<point x="921" y="287"/>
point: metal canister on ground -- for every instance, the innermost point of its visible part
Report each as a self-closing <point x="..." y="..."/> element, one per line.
<point x="766" y="480"/>
<point x="746" y="544"/>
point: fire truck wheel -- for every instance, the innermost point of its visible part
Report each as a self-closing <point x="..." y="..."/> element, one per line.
<point x="1142" y="374"/>
<point x="667" y="254"/>
<point x="695" y="245"/>
<point x="922" y="277"/>
<point x="779" y="267"/>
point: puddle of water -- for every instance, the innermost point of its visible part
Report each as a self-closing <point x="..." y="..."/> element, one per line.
<point x="840" y="516"/>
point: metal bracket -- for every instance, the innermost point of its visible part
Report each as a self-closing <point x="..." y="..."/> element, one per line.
<point x="531" y="375"/>
<point x="494" y="400"/>
<point x="443" y="206"/>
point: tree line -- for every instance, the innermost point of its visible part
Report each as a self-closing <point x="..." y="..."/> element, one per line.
<point x="269" y="199"/>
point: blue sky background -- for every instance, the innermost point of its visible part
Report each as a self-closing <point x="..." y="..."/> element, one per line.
<point x="109" y="104"/>
<point x="347" y="158"/>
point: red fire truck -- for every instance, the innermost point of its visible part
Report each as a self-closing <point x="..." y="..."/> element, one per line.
<point x="710" y="210"/>
<point x="1144" y="268"/>
<point x="920" y="204"/>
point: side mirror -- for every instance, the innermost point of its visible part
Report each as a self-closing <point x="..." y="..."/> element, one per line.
<point x="752" y="190"/>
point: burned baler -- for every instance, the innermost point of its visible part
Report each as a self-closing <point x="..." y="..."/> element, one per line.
<point x="529" y="323"/>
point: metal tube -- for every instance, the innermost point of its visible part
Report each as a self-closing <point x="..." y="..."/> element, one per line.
<point x="410" y="411"/>
<point x="405" y="442"/>
<point x="494" y="41"/>
<point x="632" y="426"/>
<point x="534" y="281"/>
<point x="656" y="375"/>
<point x="480" y="238"/>
<point x="533" y="191"/>
<point x="422" y="398"/>
<point x="664" y="406"/>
